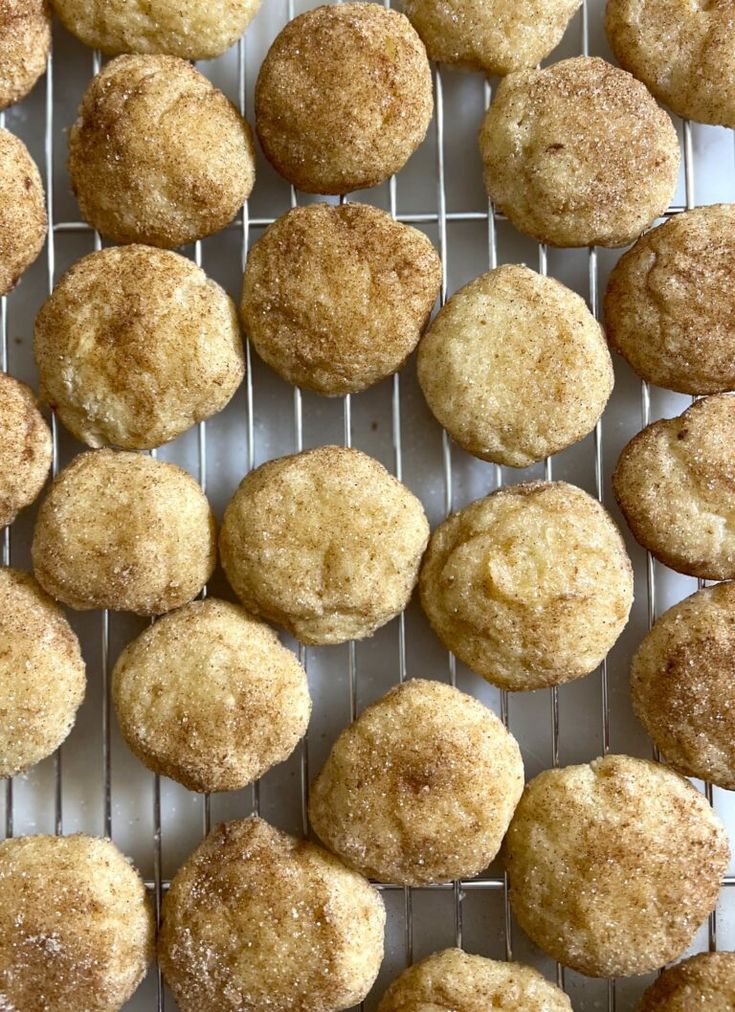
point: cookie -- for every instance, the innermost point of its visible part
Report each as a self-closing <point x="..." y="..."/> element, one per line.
<point x="579" y="154"/>
<point x="25" y="42"/>
<point x="23" y="222"/>
<point x="515" y="367"/>
<point x="674" y="484"/>
<point x="336" y="298"/>
<point x="704" y="981"/>
<point x="25" y="448"/>
<point x="158" y="155"/>
<point x="530" y="587"/>
<point x="614" y="865"/>
<point x="343" y="97"/>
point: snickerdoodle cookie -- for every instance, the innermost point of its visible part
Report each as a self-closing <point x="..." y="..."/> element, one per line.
<point x="675" y="483"/>
<point x="614" y="864"/>
<point x="76" y="928"/>
<point x="683" y="687"/>
<point x="670" y="303"/>
<point x="25" y="448"/>
<point x="135" y="345"/>
<point x="124" y="531"/>
<point x="335" y="298"/>
<point x="42" y="677"/>
<point x="579" y="154"/>
<point x="159" y="155"/>
<point x="530" y="586"/>
<point x="683" y="52"/>
<point x="208" y="696"/>
<point x="22" y="211"/>
<point x="343" y="97"/>
<point x="454" y="980"/>
<point x="256" y="919"/>
<point x="494" y="36"/>
<point x="421" y="788"/>
<point x="705" y="981"/>
<point x="515" y="367"/>
<point x="187" y="28"/>
<point x="25" y="41"/>
<point x="326" y="543"/>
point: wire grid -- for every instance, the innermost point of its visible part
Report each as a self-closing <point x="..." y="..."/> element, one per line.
<point x="440" y="217"/>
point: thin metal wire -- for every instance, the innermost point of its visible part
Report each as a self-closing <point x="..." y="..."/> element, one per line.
<point x="7" y="544"/>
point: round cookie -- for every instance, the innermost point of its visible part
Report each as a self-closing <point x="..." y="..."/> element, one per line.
<point x="515" y="367"/>
<point x="135" y="345"/>
<point x="670" y="302"/>
<point x="579" y="154"/>
<point x="76" y="928"/>
<point x="614" y="865"/>
<point x="454" y="980"/>
<point x="22" y="211"/>
<point x="530" y="586"/>
<point x="674" y="484"/>
<point x="682" y="51"/>
<point x="187" y="28"/>
<point x="124" y="531"/>
<point x="209" y="697"/>
<point x="683" y="688"/>
<point x="420" y="789"/>
<point x="494" y="36"/>
<point x="256" y="919"/>
<point x="159" y="155"/>
<point x="25" y="41"/>
<point x="325" y="543"/>
<point x="336" y="298"/>
<point x="343" y="97"/>
<point x="42" y="676"/>
<point x="705" y="981"/>
<point x="25" y="448"/>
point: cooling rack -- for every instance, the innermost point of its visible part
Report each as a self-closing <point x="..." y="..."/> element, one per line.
<point x="93" y="784"/>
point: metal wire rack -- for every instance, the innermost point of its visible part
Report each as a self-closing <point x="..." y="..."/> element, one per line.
<point x="158" y="823"/>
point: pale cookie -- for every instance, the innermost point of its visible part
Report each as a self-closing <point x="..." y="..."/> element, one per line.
<point x="675" y="484"/>
<point x="336" y="298"/>
<point x="705" y="981"/>
<point x="256" y="919"/>
<point x="529" y="587"/>
<point x="23" y="222"/>
<point x="25" y="448"/>
<point x="515" y="367"/>
<point x="343" y="97"/>
<point x="614" y="865"/>
<point x="25" y="41"/>
<point x="420" y="789"/>
<point x="579" y="154"/>
<point x="325" y="543"/>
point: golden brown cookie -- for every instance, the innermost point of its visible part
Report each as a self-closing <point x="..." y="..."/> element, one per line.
<point x="705" y="981"/>
<point x="454" y="980"/>
<point x="124" y="531"/>
<point x="159" y="155"/>
<point x="494" y="36"/>
<point x="326" y="543"/>
<point x="25" y="448"/>
<point x="614" y="864"/>
<point x="335" y="298"/>
<point x="515" y="367"/>
<point x="579" y="154"/>
<point x="670" y="303"/>
<point x="343" y="97"/>
<point x="42" y="677"/>
<point x="209" y="697"/>
<point x="25" y="41"/>
<point x="135" y="345"/>
<point x="683" y="685"/>
<point x="530" y="586"/>
<point x="674" y="483"/>
<point x="420" y="789"/>
<point x="76" y="928"/>
<point x="256" y="919"/>
<point x="683" y="52"/>
<point x="187" y="28"/>
<point x="22" y="211"/>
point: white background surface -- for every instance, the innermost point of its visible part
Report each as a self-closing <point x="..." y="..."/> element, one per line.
<point x="232" y="446"/>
